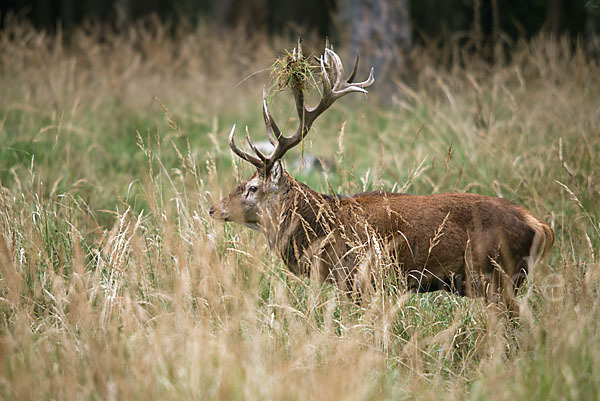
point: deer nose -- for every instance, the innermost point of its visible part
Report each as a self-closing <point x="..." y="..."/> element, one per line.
<point x="211" y="211"/>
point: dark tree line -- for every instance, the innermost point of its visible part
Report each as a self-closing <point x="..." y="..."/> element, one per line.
<point x="430" y="18"/>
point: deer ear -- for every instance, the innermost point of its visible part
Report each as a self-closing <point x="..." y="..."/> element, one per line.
<point x="276" y="172"/>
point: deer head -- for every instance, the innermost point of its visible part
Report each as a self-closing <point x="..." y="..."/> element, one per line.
<point x="255" y="201"/>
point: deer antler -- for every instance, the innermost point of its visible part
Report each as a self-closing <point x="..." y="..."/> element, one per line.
<point x="334" y="86"/>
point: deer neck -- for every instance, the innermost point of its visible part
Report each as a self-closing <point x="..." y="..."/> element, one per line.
<point x="296" y="219"/>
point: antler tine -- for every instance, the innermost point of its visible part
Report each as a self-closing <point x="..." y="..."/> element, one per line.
<point x="300" y="47"/>
<point x="355" y="69"/>
<point x="327" y="46"/>
<point x="254" y="148"/>
<point x="249" y="158"/>
<point x="272" y="130"/>
<point x="325" y="76"/>
<point x="336" y="68"/>
<point x="368" y="82"/>
<point x="281" y="143"/>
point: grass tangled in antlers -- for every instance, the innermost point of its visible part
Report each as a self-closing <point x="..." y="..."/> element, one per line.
<point x="292" y="71"/>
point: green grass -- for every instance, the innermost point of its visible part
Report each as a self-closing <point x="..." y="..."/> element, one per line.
<point x="116" y="284"/>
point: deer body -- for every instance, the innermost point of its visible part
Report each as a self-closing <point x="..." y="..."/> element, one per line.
<point x="471" y="244"/>
<point x="338" y="237"/>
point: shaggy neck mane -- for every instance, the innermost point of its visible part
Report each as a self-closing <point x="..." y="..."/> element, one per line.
<point x="298" y="217"/>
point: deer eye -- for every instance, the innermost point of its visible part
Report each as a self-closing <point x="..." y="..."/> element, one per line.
<point x="252" y="188"/>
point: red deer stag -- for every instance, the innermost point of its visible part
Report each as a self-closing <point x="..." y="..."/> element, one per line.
<point x="470" y="244"/>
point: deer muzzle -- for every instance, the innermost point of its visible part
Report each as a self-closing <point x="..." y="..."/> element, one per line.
<point x="217" y="213"/>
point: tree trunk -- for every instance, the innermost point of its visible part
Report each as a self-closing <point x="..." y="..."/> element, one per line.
<point x="381" y="30"/>
<point x="554" y="15"/>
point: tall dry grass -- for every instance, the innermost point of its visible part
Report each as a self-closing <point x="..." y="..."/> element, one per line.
<point x="115" y="284"/>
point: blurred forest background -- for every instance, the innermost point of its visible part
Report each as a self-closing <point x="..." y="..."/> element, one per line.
<point x="384" y="30"/>
<point x="422" y="17"/>
<point x="409" y="20"/>
<point x="415" y="18"/>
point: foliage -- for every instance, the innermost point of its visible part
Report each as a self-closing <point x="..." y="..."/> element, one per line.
<point x="115" y="283"/>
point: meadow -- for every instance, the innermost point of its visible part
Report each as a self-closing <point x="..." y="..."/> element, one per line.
<point x="115" y="283"/>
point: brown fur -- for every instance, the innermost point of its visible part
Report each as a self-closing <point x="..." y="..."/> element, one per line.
<point x="471" y="244"/>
